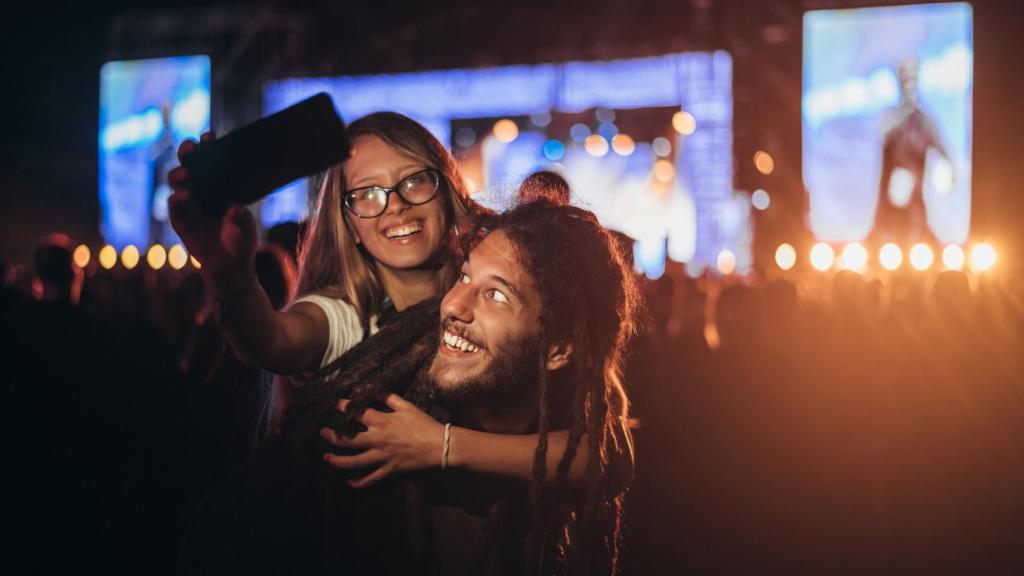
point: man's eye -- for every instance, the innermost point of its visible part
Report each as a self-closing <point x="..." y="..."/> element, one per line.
<point x="464" y="278"/>
<point x="499" y="297"/>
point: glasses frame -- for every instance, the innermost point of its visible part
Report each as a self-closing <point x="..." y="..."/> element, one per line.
<point x="393" y="189"/>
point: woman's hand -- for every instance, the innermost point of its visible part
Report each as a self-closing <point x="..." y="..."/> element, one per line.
<point x="401" y="441"/>
<point x="226" y="246"/>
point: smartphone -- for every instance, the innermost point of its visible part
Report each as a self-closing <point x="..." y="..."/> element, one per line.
<point x="253" y="161"/>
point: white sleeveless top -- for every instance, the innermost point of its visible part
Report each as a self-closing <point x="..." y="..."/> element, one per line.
<point x="344" y="328"/>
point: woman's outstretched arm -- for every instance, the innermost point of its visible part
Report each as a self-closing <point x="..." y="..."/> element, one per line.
<point x="283" y="342"/>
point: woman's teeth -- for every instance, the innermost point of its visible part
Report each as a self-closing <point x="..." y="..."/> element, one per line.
<point x="402" y="231"/>
<point x="458" y="343"/>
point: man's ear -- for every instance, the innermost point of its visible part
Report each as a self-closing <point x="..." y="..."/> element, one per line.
<point x="558" y="356"/>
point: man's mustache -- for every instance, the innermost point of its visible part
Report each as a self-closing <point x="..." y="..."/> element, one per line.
<point x="460" y="329"/>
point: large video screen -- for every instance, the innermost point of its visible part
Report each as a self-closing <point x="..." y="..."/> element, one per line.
<point x="887" y="123"/>
<point x="147" y="107"/>
<point x="646" y="143"/>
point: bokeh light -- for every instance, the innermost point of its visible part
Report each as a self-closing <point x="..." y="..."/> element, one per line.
<point x="760" y="199"/>
<point x="108" y="257"/>
<point x="822" y="256"/>
<point x="177" y="257"/>
<point x="195" y="263"/>
<point x="623" y="144"/>
<point x="81" y="256"/>
<point x="921" y="256"/>
<point x="953" y="257"/>
<point x="554" y="150"/>
<point x="983" y="257"/>
<point x="855" y="257"/>
<point x="596" y="145"/>
<point x="130" y="256"/>
<point x="764" y="162"/>
<point x="890" y="256"/>
<point x="579" y="132"/>
<point x="726" y="261"/>
<point x="156" y="256"/>
<point x="785" y="256"/>
<point x="661" y="146"/>
<point x="664" y="171"/>
<point x="506" y="130"/>
<point x="684" y="123"/>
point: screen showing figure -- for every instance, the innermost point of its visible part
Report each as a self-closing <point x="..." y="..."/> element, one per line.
<point x="147" y="107"/>
<point x="887" y="123"/>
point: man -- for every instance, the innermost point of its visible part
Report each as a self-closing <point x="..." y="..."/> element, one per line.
<point x="909" y="135"/>
<point x="526" y="347"/>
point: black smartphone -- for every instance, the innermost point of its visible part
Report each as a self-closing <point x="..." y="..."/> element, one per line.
<point x="255" y="160"/>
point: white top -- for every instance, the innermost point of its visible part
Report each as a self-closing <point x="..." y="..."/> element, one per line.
<point x="344" y="328"/>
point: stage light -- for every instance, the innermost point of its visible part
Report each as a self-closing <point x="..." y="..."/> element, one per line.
<point x="855" y="257"/>
<point x="195" y="263"/>
<point x="608" y="130"/>
<point x="726" y="261"/>
<point x="596" y="145"/>
<point x="506" y="130"/>
<point x="785" y="256"/>
<point x="177" y="257"/>
<point x="108" y="257"/>
<point x="81" y="256"/>
<point x="541" y="120"/>
<point x="822" y="256"/>
<point x="554" y="150"/>
<point x="684" y="123"/>
<point x="465" y="137"/>
<point x="921" y="256"/>
<point x="605" y="115"/>
<point x="664" y="171"/>
<point x="156" y="256"/>
<point x="130" y="256"/>
<point x="623" y="144"/>
<point x="953" y="257"/>
<point x="760" y="199"/>
<point x="764" y="162"/>
<point x="983" y="257"/>
<point x="661" y="146"/>
<point x="890" y="256"/>
<point x="579" y="132"/>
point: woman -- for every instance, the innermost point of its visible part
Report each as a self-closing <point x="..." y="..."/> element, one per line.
<point x="383" y="238"/>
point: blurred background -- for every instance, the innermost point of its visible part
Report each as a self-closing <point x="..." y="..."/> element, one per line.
<point x="823" y="200"/>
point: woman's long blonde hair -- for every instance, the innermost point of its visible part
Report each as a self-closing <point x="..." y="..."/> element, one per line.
<point x="331" y="262"/>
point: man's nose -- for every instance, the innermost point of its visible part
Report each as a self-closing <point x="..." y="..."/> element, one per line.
<point x="457" y="303"/>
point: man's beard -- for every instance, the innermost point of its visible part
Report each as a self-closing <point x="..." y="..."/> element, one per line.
<point x="512" y="376"/>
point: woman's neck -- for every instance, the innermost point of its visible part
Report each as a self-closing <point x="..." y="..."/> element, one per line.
<point x="409" y="287"/>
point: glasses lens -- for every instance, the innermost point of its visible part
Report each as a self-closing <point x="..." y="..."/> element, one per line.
<point x="368" y="202"/>
<point x="419" y="188"/>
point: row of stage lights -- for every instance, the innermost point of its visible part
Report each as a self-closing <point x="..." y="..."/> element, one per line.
<point x="598" y="144"/>
<point x="854" y="256"/>
<point x="156" y="257"/>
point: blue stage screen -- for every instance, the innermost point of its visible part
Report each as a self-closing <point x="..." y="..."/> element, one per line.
<point x="147" y="107"/>
<point x="887" y="123"/>
<point x="690" y="213"/>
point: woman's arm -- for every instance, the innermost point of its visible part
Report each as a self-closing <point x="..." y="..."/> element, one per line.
<point x="282" y="342"/>
<point x="409" y="439"/>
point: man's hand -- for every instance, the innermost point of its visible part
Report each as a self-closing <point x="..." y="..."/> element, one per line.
<point x="401" y="441"/>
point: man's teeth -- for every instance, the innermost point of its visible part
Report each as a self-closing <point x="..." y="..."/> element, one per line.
<point x="458" y="343"/>
<point x="407" y="230"/>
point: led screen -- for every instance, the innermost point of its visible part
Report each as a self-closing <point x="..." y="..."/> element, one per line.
<point x="887" y="123"/>
<point x="147" y="107"/>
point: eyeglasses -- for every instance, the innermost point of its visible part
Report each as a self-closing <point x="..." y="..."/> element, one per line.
<point x="415" y="189"/>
